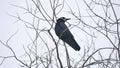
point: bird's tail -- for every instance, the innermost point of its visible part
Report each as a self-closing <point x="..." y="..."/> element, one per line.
<point x="73" y="44"/>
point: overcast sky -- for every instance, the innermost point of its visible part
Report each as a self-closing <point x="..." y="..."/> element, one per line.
<point x="8" y="26"/>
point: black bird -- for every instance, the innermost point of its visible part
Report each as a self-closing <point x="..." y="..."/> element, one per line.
<point x="63" y="33"/>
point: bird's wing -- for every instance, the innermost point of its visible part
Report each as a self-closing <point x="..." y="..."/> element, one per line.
<point x="65" y="33"/>
<point x="68" y="38"/>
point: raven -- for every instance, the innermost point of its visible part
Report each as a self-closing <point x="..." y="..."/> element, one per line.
<point x="64" y="34"/>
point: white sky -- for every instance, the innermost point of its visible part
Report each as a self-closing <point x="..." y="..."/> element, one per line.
<point x="8" y="27"/>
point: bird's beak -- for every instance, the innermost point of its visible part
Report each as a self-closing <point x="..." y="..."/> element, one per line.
<point x="67" y="19"/>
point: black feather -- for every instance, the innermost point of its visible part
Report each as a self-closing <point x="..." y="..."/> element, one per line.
<point x="64" y="34"/>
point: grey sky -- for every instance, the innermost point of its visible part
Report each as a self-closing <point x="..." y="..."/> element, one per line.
<point x="8" y="27"/>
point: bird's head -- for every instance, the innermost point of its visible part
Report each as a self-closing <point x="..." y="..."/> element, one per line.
<point x="62" y="19"/>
